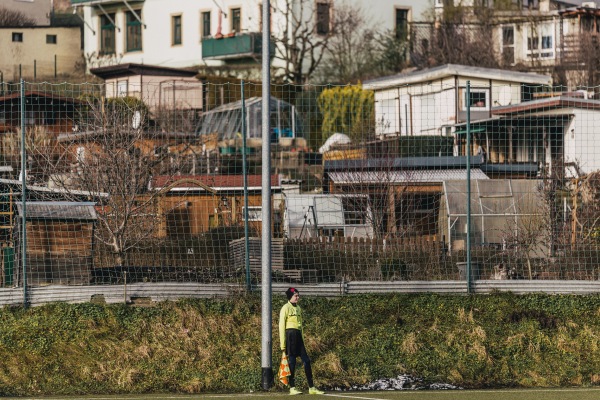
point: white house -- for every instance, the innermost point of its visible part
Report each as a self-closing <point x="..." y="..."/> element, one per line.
<point x="159" y="87"/>
<point x="558" y="133"/>
<point x="184" y="33"/>
<point x="552" y="136"/>
<point x="432" y="101"/>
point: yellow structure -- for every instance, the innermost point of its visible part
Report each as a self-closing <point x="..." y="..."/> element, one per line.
<point x="39" y="52"/>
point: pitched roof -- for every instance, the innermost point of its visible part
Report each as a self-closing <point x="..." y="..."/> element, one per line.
<point x="404" y="177"/>
<point x="547" y="104"/>
<point x="59" y="210"/>
<point x="129" y="69"/>
<point x="447" y="70"/>
<point x="400" y="163"/>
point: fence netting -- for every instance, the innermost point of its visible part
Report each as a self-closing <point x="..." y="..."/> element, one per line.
<point x="162" y="182"/>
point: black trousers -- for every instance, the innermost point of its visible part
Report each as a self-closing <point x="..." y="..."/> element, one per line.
<point x="295" y="348"/>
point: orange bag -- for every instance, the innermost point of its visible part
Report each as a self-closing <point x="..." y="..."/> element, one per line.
<point x="284" y="369"/>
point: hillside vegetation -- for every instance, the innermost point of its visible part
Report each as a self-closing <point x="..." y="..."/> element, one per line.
<point x="214" y="345"/>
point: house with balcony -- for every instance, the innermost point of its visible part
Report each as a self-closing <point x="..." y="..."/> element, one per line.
<point x="557" y="37"/>
<point x="225" y="34"/>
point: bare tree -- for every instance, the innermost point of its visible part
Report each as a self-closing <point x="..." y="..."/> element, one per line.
<point x="304" y="34"/>
<point x="386" y="191"/>
<point x="112" y="159"/>
<point x="529" y="236"/>
<point x="453" y="43"/>
<point x="12" y="18"/>
<point x="585" y="210"/>
<point x="352" y="53"/>
<point x="460" y="35"/>
<point x="41" y="149"/>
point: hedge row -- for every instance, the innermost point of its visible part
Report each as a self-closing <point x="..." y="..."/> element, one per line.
<point x="192" y="346"/>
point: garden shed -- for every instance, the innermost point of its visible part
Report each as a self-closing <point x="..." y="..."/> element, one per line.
<point x="502" y="211"/>
<point x="226" y="122"/>
<point x="60" y="242"/>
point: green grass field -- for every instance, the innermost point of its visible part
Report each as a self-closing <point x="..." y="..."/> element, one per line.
<point x="506" y="394"/>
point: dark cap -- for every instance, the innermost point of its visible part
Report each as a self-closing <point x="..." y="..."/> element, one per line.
<point x="290" y="292"/>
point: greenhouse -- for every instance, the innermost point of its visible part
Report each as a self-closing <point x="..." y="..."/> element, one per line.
<point x="226" y="121"/>
<point x="501" y="211"/>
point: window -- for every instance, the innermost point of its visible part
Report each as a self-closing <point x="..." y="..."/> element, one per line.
<point x="401" y="24"/>
<point x="531" y="4"/>
<point x="478" y="99"/>
<point x="17" y="36"/>
<point x="176" y="30"/>
<point x="508" y="45"/>
<point x="134" y="31"/>
<point x="122" y="88"/>
<point x="254" y="213"/>
<point x="205" y="24"/>
<point x="355" y="210"/>
<point x="107" y="34"/>
<point x="236" y="20"/>
<point x="540" y="41"/>
<point x="50" y="39"/>
<point x="323" y="18"/>
<point x="386" y="110"/>
<point x="329" y="211"/>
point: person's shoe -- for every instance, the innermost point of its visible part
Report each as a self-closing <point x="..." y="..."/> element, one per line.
<point x="314" y="390"/>
<point x="294" y="391"/>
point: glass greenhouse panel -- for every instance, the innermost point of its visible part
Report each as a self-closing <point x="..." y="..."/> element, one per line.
<point x="226" y="120"/>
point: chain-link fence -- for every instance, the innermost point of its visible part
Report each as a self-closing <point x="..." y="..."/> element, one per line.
<point x="161" y="182"/>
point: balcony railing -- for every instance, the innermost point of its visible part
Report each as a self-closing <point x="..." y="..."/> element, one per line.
<point x="247" y="45"/>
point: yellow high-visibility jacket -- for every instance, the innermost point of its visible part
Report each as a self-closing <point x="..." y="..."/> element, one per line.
<point x="290" y="317"/>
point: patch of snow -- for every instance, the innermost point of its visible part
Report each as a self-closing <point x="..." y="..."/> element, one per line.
<point x="402" y="382"/>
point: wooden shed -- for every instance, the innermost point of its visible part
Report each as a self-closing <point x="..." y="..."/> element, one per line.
<point x="59" y="242"/>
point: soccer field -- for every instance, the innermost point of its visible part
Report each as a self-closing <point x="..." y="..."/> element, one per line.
<point x="505" y="394"/>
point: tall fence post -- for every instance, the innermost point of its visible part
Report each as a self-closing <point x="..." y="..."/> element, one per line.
<point x="468" y="272"/>
<point x="266" y="296"/>
<point x="23" y="196"/>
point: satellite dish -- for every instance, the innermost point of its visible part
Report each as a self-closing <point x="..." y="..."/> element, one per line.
<point x="504" y="96"/>
<point x="136" y="121"/>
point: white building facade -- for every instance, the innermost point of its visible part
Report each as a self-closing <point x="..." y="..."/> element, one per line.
<point x="172" y="33"/>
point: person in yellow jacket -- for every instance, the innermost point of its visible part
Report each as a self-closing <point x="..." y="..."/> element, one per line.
<point x="291" y="333"/>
